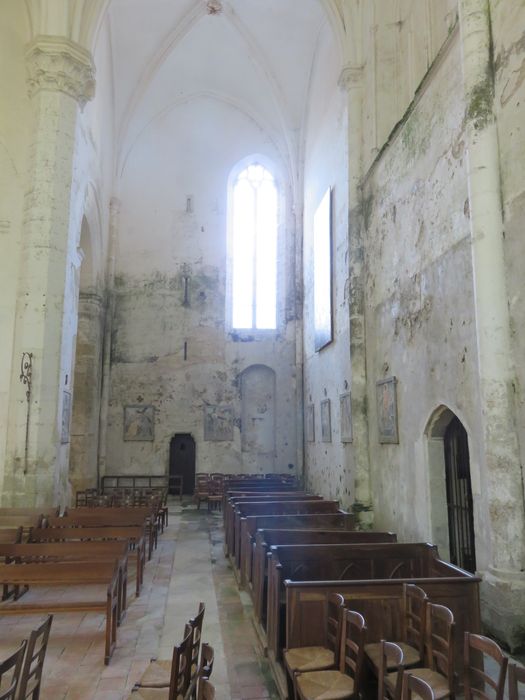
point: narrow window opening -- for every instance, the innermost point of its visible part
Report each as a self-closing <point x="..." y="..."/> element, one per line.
<point x="254" y="249"/>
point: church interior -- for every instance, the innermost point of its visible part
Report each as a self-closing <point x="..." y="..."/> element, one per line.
<point x="266" y="239"/>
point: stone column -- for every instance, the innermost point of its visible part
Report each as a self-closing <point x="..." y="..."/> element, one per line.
<point x="60" y="79"/>
<point x="114" y="212"/>
<point x="504" y="588"/>
<point x="351" y="79"/>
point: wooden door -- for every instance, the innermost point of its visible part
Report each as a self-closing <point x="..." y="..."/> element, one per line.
<point x="459" y="497"/>
<point x="182" y="460"/>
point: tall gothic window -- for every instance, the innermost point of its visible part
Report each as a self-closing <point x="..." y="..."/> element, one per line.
<point x="254" y="220"/>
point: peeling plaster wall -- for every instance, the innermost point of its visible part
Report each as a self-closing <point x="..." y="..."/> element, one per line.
<point x="14" y="138"/>
<point x="419" y="301"/>
<point x="327" y="464"/>
<point x="162" y="240"/>
<point x="508" y="22"/>
<point x="400" y="41"/>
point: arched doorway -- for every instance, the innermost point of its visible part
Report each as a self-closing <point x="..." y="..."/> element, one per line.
<point x="451" y="504"/>
<point x="182" y="460"/>
<point x="459" y="496"/>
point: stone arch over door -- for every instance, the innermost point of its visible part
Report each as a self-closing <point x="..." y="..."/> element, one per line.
<point x="258" y="411"/>
<point x="450" y="488"/>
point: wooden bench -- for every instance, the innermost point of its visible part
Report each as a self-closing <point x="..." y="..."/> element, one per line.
<point x="292" y="521"/>
<point x="242" y="511"/>
<point x="62" y="574"/>
<point x="346" y="568"/>
<point x="109" y="517"/>
<point x="134" y="481"/>
<point x="133" y="535"/>
<point x="74" y="551"/>
<point x="32" y="511"/>
<point x="264" y="539"/>
<point x="26" y="522"/>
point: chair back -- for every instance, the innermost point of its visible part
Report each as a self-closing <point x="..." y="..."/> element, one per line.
<point x="31" y="676"/>
<point x="10" y="669"/>
<point x="334" y="624"/>
<point x="196" y="635"/>
<point x="516" y="675"/>
<point x="476" y="680"/>
<point x="391" y="654"/>
<point x="413" y="684"/>
<point x="207" y="659"/>
<point x="353" y="647"/>
<point x="440" y="640"/>
<point x="414" y="604"/>
<point x="179" y="680"/>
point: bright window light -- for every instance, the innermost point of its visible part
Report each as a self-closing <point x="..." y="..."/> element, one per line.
<point x="254" y="251"/>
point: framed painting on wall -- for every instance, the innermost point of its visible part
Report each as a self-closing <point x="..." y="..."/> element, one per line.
<point x="310" y="423"/>
<point x="322" y="262"/>
<point x="326" y="421"/>
<point x="218" y="423"/>
<point x="345" y="403"/>
<point x="386" y="393"/>
<point x="139" y="423"/>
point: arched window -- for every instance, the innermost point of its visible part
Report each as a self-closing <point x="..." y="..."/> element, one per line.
<point x="254" y="221"/>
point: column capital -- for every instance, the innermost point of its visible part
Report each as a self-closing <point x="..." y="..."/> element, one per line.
<point x="351" y="76"/>
<point x="58" y="64"/>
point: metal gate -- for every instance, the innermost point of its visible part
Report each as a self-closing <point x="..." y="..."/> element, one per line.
<point x="459" y="497"/>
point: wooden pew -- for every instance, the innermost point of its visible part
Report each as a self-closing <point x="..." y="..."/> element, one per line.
<point x="116" y="550"/>
<point x="291" y="521"/>
<point x="242" y="511"/>
<point x="62" y="574"/>
<point x="108" y="517"/>
<point x="133" y="535"/>
<point x="230" y="505"/>
<point x="34" y="511"/>
<point x="344" y="568"/>
<point x="252" y="492"/>
<point x="265" y="538"/>
<point x="26" y="522"/>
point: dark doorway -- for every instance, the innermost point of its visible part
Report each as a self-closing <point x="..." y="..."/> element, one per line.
<point x="182" y="461"/>
<point x="459" y="497"/>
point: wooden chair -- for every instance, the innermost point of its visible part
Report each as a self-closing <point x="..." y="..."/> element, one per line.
<point x="516" y="675"/>
<point x="345" y="682"/>
<point x="439" y="673"/>
<point x="178" y="686"/>
<point x="390" y="685"/>
<point x="158" y="673"/>
<point x="303" y="659"/>
<point x="420" y="688"/>
<point x="10" y="669"/>
<point x="412" y="642"/>
<point x="215" y="492"/>
<point x="201" y="492"/>
<point x="31" y="676"/>
<point x="475" y="677"/>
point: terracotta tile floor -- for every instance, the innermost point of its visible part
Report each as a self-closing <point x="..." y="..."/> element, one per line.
<point x="187" y="567"/>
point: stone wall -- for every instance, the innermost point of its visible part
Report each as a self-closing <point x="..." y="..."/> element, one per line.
<point x="172" y="346"/>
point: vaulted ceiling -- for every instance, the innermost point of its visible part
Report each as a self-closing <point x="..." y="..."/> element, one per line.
<point x="257" y="56"/>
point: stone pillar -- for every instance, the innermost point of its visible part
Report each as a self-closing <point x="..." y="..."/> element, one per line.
<point x="60" y="79"/>
<point x="86" y="392"/>
<point x="504" y="586"/>
<point x="351" y="80"/>
<point x="114" y="212"/>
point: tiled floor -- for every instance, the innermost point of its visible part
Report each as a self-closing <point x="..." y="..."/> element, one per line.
<point x="187" y="567"/>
